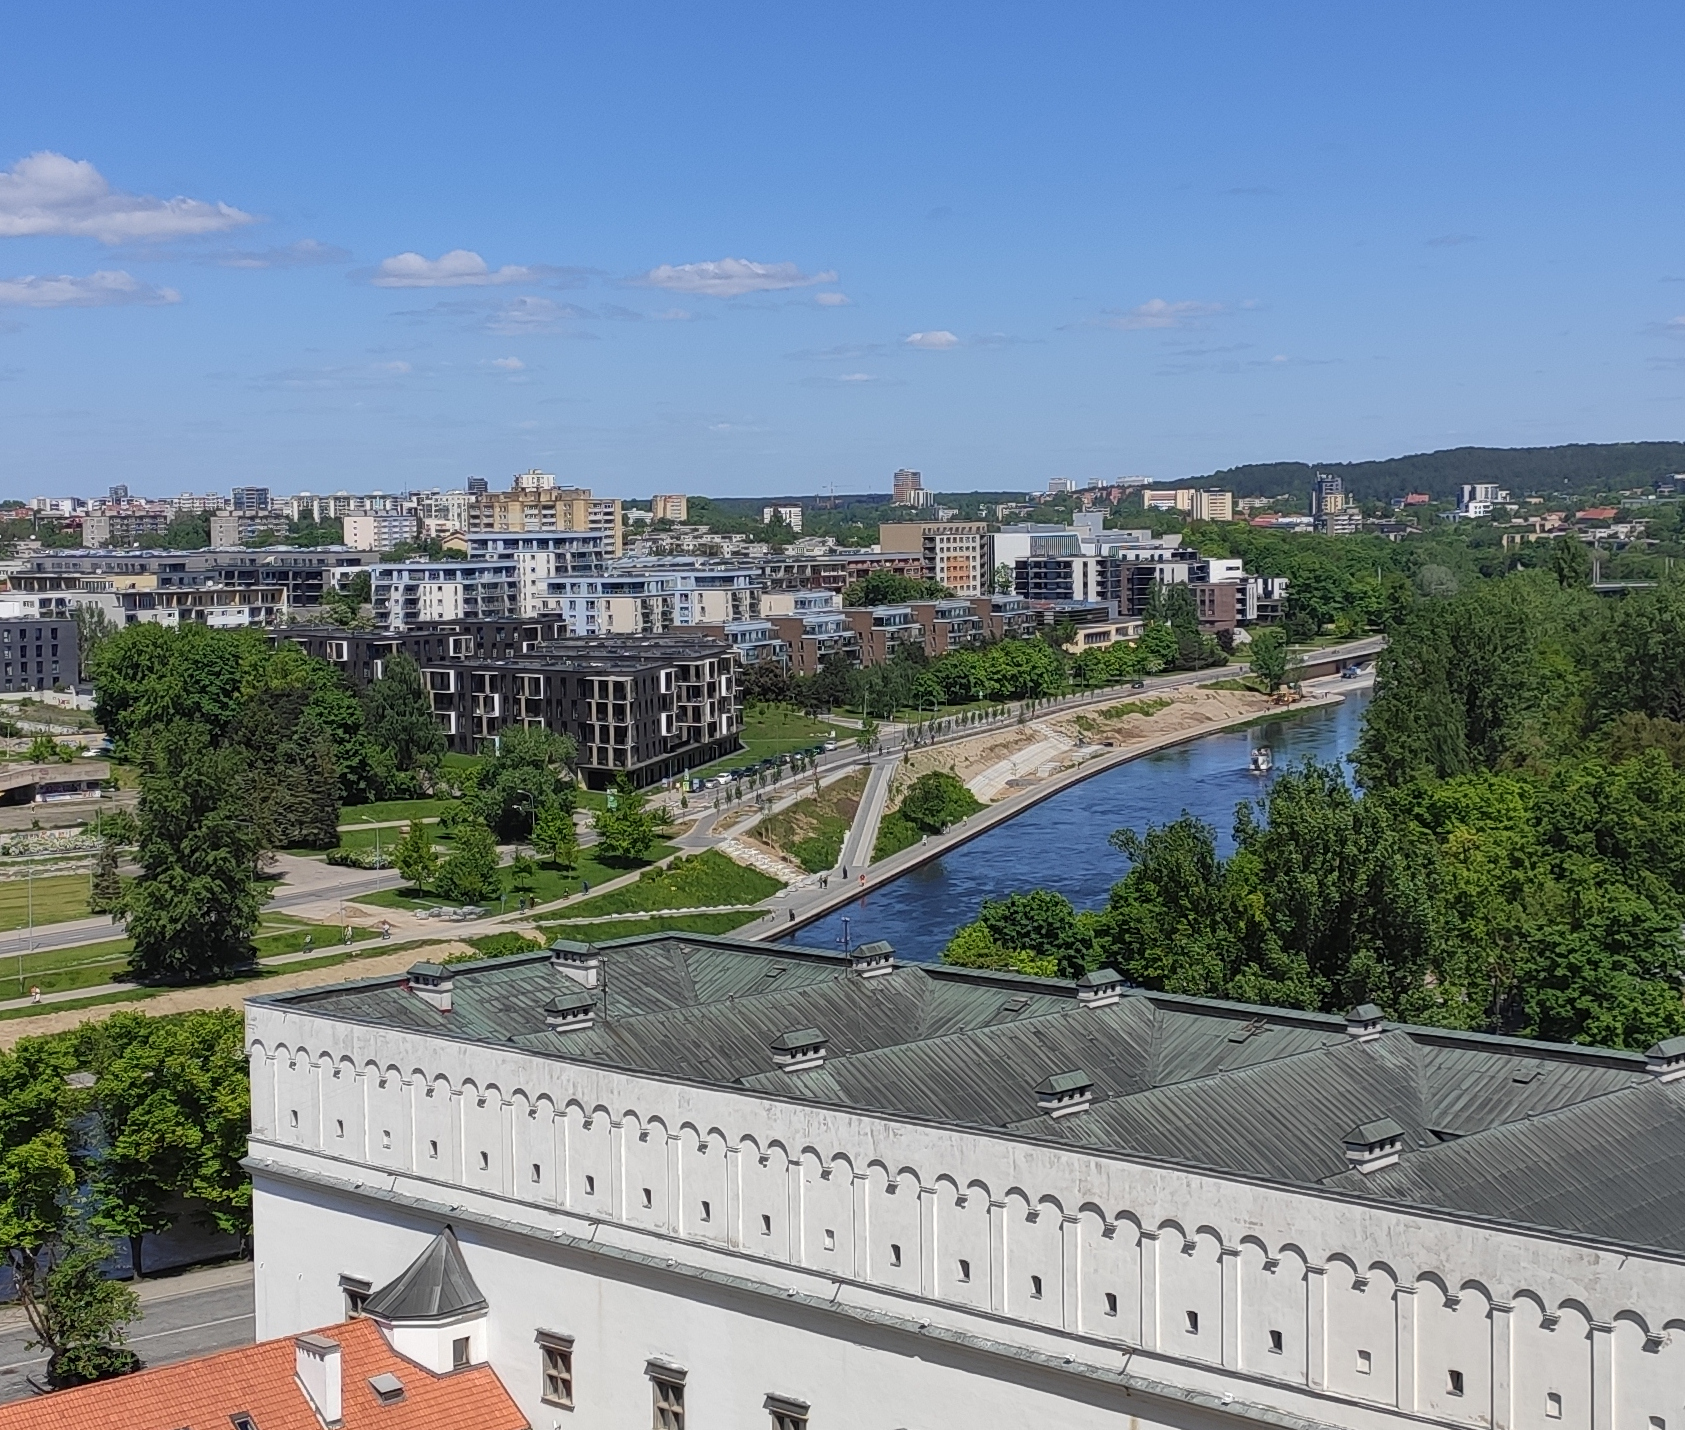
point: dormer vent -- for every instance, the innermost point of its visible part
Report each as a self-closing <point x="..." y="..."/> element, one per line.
<point x="569" y="1012"/>
<point x="432" y="983"/>
<point x="1374" y="1145"/>
<point x="800" y="1048"/>
<point x="1365" y="1022"/>
<point x="388" y="1389"/>
<point x="579" y="961"/>
<point x="870" y="960"/>
<point x="1101" y="988"/>
<point x="1666" y="1061"/>
<point x="1065" y="1093"/>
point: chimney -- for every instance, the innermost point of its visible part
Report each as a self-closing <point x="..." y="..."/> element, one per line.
<point x="1666" y="1061"/>
<point x="1101" y="988"/>
<point x="1365" y="1023"/>
<point x="800" y="1048"/>
<point x="869" y="960"/>
<point x="1374" y="1145"/>
<point x="318" y="1363"/>
<point x="1065" y="1093"/>
<point x="579" y="961"/>
<point x="569" y="1012"/>
<point x="431" y="982"/>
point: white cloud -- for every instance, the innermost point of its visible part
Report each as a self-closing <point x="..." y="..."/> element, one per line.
<point x="48" y="193"/>
<point x="460" y="268"/>
<point x="398" y="366"/>
<point x="940" y="338"/>
<point x="508" y="364"/>
<point x="108" y="288"/>
<point x="831" y="300"/>
<point x="528" y="314"/>
<point x="731" y="277"/>
<point x="1156" y="313"/>
<point x="856" y="377"/>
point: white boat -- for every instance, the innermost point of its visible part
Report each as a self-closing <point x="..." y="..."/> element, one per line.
<point x="1262" y="760"/>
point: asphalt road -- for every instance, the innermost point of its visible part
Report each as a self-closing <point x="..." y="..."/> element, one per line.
<point x="195" y="1314"/>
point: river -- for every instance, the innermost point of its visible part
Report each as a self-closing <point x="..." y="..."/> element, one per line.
<point x="1061" y="843"/>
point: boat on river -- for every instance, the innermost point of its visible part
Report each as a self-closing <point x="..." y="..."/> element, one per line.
<point x="1262" y="760"/>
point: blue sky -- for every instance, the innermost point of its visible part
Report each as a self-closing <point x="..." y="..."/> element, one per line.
<point x="735" y="249"/>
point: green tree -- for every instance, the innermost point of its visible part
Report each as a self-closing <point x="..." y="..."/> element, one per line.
<point x="868" y="733"/>
<point x="885" y="588"/>
<point x="555" y="836"/>
<point x="937" y="800"/>
<point x="1044" y="925"/>
<point x="45" y="750"/>
<point x="630" y="829"/>
<point x="105" y="892"/>
<point x="399" y="718"/>
<point x="1267" y="655"/>
<point x="77" y="1315"/>
<point x="973" y="946"/>
<point x="470" y="874"/>
<point x="414" y="857"/>
<point x="194" y="909"/>
<point x="529" y="767"/>
<point x="1570" y="561"/>
<point x="1001" y="582"/>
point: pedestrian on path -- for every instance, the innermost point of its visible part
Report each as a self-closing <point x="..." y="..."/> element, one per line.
<point x="35" y="994"/>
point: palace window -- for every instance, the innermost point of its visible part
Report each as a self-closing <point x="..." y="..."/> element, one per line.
<point x="556" y="1363"/>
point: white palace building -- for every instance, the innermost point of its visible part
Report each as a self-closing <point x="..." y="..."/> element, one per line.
<point x="701" y="1182"/>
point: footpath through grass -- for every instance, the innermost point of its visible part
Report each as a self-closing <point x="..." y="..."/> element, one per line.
<point x="813" y="831"/>
<point x="705" y="880"/>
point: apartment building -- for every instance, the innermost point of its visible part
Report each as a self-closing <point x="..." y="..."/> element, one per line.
<point x="542" y="558"/>
<point x="1200" y="505"/>
<point x="674" y="506"/>
<point x="650" y="597"/>
<point x="409" y="593"/>
<point x="107" y="529"/>
<point x="908" y="489"/>
<point x="1333" y="513"/>
<point x="380" y="531"/>
<point x="361" y="654"/>
<point x="791" y="516"/>
<point x="536" y="503"/>
<point x="648" y="707"/>
<point x="794" y="571"/>
<point x="39" y="654"/>
<point x="955" y="553"/>
<point x="233" y="529"/>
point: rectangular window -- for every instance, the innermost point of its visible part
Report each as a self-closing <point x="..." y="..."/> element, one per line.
<point x="1553" y="1405"/>
<point x="766" y="1225"/>
<point x="556" y="1361"/>
<point x="339" y="1127"/>
<point x="459" y="1353"/>
<point x="669" y="1398"/>
<point x="386" y="1138"/>
<point x="294" y="1117"/>
<point x="787" y="1414"/>
<point x="1193" y="1323"/>
<point x="1275" y="1343"/>
<point x="1111" y="1303"/>
<point x="965" y="1270"/>
<point x="537" y="1172"/>
<point x="433" y="1149"/>
<point x="1035" y="1288"/>
<point x="894" y="1254"/>
<point x="1454" y="1382"/>
<point x="707" y="1212"/>
<point x="485" y="1161"/>
<point x="1365" y="1363"/>
<point x="649" y="1197"/>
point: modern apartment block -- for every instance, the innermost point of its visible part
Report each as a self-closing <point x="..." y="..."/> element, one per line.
<point x="955" y="553"/>
<point x="39" y="654"/>
<point x="647" y="707"/>
<point x="673" y="506"/>
<point x="536" y="503"/>
<point x="361" y="654"/>
<point x="104" y="530"/>
<point x="1333" y="513"/>
<point x="791" y="516"/>
<point x="1200" y="505"/>
<point x="409" y="593"/>
<point x="909" y="490"/>
<point x="542" y="558"/>
<point x="813" y="627"/>
<point x="650" y="597"/>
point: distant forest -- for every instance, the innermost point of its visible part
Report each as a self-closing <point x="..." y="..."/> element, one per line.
<point x="1577" y="468"/>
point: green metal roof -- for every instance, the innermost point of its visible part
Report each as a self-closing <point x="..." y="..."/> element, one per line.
<point x="1557" y="1136"/>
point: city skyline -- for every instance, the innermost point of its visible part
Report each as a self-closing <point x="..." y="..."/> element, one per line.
<point x="746" y="260"/>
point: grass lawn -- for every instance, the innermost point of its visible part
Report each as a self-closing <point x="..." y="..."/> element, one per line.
<point x="55" y="897"/>
<point x="644" y="928"/>
<point x="813" y="830"/>
<point x="548" y="886"/>
<point x="386" y="810"/>
<point x="706" y="880"/>
<point x="775" y="730"/>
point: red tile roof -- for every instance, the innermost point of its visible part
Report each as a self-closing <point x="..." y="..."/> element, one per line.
<point x="261" y="1382"/>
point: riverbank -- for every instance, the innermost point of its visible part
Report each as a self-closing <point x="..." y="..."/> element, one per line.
<point x="804" y="907"/>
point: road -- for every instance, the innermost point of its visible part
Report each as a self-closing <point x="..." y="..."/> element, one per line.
<point x="193" y="1314"/>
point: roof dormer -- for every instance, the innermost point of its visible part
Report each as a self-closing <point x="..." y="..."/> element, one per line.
<point x="1370" y="1146"/>
<point x="1064" y="1093"/>
<point x="870" y="960"/>
<point x="432" y="983"/>
<point x="800" y="1048"/>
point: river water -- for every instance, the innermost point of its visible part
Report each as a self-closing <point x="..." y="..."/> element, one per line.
<point x="1061" y="843"/>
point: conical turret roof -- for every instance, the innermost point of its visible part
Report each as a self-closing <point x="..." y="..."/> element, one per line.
<point x="436" y="1286"/>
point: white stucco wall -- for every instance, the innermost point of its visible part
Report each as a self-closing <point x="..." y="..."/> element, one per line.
<point x="1181" y="1275"/>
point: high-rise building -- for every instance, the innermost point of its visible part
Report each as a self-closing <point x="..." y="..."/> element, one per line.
<point x="245" y="500"/>
<point x="379" y="532"/>
<point x="533" y="506"/>
<point x="478" y="486"/>
<point x="791" y="516"/>
<point x="672" y="507"/>
<point x="1332" y="513"/>
<point x="909" y="488"/>
<point x="954" y="553"/>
